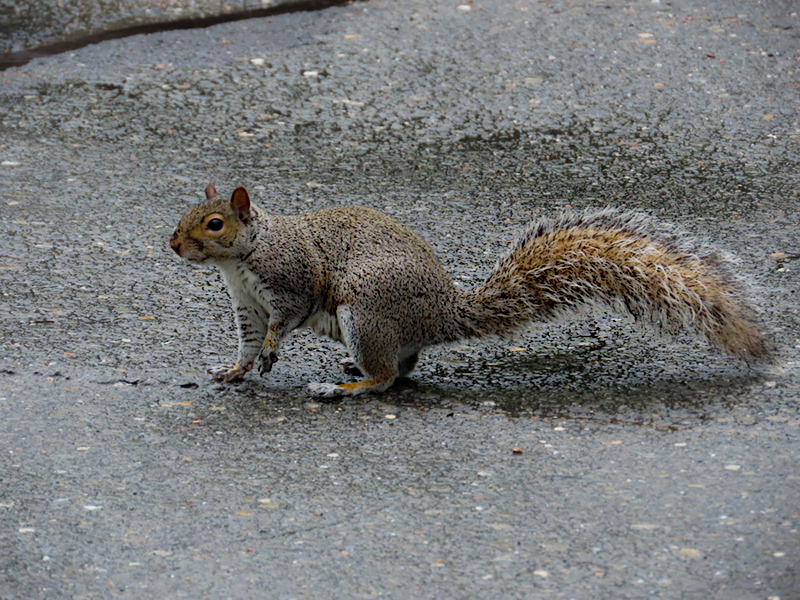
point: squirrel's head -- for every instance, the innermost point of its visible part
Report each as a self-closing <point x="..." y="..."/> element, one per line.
<point x="214" y="230"/>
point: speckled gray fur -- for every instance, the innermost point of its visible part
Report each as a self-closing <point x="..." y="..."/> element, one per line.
<point x="357" y="276"/>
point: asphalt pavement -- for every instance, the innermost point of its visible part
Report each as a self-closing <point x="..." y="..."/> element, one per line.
<point x="29" y="28"/>
<point x="589" y="459"/>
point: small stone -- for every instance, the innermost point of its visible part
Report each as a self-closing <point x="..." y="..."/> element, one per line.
<point x="778" y="419"/>
<point x="732" y="467"/>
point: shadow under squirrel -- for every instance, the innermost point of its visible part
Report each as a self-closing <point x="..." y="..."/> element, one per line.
<point x="359" y="277"/>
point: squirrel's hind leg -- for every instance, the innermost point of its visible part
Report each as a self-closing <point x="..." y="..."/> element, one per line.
<point x="406" y="362"/>
<point x="405" y="365"/>
<point x="373" y="352"/>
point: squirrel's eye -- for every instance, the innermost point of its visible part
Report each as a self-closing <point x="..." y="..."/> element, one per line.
<point x="215" y="225"/>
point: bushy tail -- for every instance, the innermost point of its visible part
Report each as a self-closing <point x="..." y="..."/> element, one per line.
<point x="626" y="262"/>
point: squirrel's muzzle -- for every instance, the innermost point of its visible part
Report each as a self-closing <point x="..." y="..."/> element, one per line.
<point x="175" y="244"/>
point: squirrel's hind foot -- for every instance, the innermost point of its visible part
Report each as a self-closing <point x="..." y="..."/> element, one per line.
<point x="324" y="390"/>
<point x="365" y="386"/>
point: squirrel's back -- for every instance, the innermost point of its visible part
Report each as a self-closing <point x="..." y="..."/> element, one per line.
<point x="378" y="267"/>
<point x="348" y="233"/>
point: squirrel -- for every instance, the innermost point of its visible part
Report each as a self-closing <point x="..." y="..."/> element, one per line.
<point x="358" y="276"/>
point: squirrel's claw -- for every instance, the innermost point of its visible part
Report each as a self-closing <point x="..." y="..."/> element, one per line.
<point x="265" y="361"/>
<point x="227" y="373"/>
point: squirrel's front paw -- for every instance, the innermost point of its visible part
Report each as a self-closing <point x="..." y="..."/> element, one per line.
<point x="266" y="359"/>
<point x="227" y="373"/>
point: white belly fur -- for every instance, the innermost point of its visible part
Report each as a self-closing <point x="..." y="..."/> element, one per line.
<point x="242" y="283"/>
<point x="324" y="324"/>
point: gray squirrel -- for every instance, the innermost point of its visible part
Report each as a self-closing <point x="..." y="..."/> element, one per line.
<point x="357" y="276"/>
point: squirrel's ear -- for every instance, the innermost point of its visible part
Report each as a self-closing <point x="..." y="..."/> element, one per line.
<point x="240" y="202"/>
<point x="211" y="192"/>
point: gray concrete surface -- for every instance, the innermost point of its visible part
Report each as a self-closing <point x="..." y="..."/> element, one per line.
<point x="28" y="25"/>
<point x="649" y="467"/>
